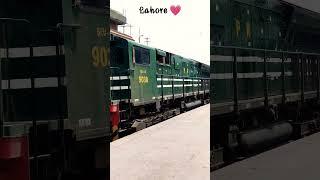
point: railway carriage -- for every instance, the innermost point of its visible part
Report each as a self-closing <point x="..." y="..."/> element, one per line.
<point x="264" y="75"/>
<point x="146" y="81"/>
<point x="54" y="121"/>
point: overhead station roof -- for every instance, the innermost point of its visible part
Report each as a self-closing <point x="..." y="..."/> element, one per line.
<point x="117" y="17"/>
<point x="312" y="5"/>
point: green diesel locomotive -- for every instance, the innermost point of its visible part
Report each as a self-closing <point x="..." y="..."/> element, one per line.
<point x="264" y="75"/>
<point x="146" y="81"/>
<point x="54" y="89"/>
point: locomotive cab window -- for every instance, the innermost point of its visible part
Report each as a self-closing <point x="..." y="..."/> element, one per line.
<point x="141" y="55"/>
<point x="117" y="54"/>
<point x="161" y="59"/>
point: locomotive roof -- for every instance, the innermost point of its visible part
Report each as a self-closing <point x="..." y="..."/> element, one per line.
<point x="152" y="48"/>
<point x="311" y="5"/>
<point x="141" y="45"/>
<point x="306" y="14"/>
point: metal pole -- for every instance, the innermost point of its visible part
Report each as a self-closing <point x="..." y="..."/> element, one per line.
<point x="34" y="121"/>
<point x="147" y="40"/>
<point x="183" y="89"/>
<point x="302" y="78"/>
<point x="139" y="35"/>
<point x="198" y="80"/>
<point x="283" y="79"/>
<point x="162" y="100"/>
<point x="235" y="83"/>
<point x="318" y="79"/>
<point x="172" y="83"/>
<point x="4" y="37"/>
<point x="265" y="79"/>
<point x="60" y="85"/>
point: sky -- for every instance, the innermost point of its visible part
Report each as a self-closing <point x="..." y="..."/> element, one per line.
<point x="186" y="34"/>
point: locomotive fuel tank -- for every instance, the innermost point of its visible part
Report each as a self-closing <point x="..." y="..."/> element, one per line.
<point x="262" y="138"/>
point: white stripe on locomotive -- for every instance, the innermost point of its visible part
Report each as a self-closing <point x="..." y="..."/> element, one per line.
<point x="180" y="80"/>
<point x="26" y="83"/>
<point x="114" y="88"/>
<point x="219" y="58"/>
<point x="222" y="76"/>
<point x="115" y="78"/>
<point x="176" y="85"/>
<point x="25" y="52"/>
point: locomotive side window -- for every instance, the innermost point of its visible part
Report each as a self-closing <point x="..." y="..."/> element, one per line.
<point x="141" y="55"/>
<point x="161" y="59"/>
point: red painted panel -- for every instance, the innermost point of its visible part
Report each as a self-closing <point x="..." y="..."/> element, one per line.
<point x="14" y="158"/>
<point x="115" y="115"/>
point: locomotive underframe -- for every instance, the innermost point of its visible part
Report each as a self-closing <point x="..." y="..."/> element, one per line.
<point x="271" y="119"/>
<point x="135" y="117"/>
<point x="228" y="128"/>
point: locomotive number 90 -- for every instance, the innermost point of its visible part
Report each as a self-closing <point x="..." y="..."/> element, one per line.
<point x="99" y="56"/>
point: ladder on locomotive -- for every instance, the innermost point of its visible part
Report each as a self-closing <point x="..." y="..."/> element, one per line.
<point x="124" y="108"/>
<point x="35" y="157"/>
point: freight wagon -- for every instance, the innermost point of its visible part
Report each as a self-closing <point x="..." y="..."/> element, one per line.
<point x="147" y="81"/>
<point x="264" y="75"/>
<point x="54" y="89"/>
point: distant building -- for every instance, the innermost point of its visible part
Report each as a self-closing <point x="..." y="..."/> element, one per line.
<point x="117" y="19"/>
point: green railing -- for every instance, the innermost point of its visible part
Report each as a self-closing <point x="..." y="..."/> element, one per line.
<point x="300" y="58"/>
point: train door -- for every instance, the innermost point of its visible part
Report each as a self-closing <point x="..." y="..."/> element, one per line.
<point x="164" y="75"/>
<point x="143" y="86"/>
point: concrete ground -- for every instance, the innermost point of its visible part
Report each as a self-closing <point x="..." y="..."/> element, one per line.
<point x="176" y="149"/>
<point x="294" y="161"/>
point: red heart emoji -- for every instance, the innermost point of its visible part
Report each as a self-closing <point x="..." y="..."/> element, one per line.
<point x="175" y="9"/>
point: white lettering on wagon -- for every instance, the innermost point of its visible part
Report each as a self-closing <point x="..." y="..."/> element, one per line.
<point x="86" y="122"/>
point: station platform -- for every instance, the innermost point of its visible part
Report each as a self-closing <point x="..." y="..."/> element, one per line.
<point x="175" y="149"/>
<point x="295" y="161"/>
